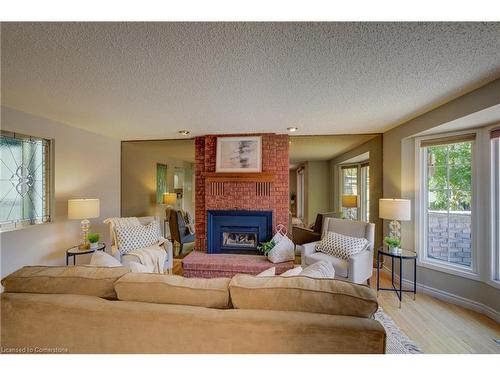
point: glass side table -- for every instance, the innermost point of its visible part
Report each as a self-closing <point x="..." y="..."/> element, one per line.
<point x="75" y="251"/>
<point x="402" y="255"/>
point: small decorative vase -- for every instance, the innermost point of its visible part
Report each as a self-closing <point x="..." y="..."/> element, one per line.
<point x="94" y="245"/>
<point x="395" y="250"/>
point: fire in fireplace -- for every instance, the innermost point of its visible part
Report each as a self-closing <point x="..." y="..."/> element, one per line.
<point x="248" y="240"/>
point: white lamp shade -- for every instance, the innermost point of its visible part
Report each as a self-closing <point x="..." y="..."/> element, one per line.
<point x="394" y="209"/>
<point x="349" y="201"/>
<point x="83" y="209"/>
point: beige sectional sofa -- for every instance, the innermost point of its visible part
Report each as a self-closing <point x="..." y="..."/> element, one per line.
<point x="83" y="309"/>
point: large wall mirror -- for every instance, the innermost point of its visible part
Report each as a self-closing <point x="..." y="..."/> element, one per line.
<point x="335" y="175"/>
<point x="157" y="177"/>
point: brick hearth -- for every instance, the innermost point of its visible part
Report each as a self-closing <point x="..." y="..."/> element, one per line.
<point x="241" y="195"/>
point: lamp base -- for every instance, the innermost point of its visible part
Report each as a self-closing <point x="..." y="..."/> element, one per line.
<point x="84" y="232"/>
<point x="395" y="229"/>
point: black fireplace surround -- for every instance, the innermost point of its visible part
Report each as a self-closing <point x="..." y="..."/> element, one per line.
<point x="237" y="231"/>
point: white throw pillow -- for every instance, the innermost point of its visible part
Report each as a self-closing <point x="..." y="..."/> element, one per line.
<point x="292" y="272"/>
<point x="137" y="237"/>
<point x="269" y="272"/>
<point x="103" y="259"/>
<point x="139" y="268"/>
<point x="319" y="270"/>
<point x="340" y="245"/>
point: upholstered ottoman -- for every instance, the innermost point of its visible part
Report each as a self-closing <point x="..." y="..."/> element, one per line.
<point x="198" y="264"/>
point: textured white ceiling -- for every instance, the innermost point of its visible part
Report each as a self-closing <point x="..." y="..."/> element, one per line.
<point x="148" y="80"/>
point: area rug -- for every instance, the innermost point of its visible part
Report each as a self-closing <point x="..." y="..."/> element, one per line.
<point x="397" y="341"/>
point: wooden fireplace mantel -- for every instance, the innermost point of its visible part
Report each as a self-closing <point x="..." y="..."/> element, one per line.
<point x="239" y="177"/>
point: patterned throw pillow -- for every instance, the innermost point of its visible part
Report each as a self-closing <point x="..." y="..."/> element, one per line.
<point x="137" y="236"/>
<point x="119" y="222"/>
<point x="341" y="246"/>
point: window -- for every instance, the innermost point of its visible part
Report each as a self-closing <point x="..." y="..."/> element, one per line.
<point x="495" y="214"/>
<point x="446" y="201"/>
<point x="25" y="181"/>
<point x="349" y="186"/>
<point x="355" y="180"/>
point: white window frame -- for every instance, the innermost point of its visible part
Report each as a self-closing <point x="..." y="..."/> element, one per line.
<point x="359" y="186"/>
<point x="341" y="186"/>
<point x="364" y="192"/>
<point x="301" y="181"/>
<point x="494" y="217"/>
<point x="421" y="217"/>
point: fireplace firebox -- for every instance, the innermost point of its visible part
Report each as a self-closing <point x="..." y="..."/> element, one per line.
<point x="237" y="231"/>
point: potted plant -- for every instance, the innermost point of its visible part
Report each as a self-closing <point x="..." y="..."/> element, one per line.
<point x="94" y="240"/>
<point x="265" y="247"/>
<point x="393" y="243"/>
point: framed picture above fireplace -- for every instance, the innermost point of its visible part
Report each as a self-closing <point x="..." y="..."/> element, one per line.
<point x="239" y="154"/>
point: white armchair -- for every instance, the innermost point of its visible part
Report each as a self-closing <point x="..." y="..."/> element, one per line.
<point x="357" y="269"/>
<point x="127" y="258"/>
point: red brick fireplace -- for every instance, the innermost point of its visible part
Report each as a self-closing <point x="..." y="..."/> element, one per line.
<point x="266" y="191"/>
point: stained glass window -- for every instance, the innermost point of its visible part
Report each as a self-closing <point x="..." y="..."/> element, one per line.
<point x="24" y="180"/>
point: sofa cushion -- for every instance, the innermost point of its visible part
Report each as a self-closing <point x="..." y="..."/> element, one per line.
<point x="341" y="266"/>
<point x="87" y="280"/>
<point x="300" y="293"/>
<point x="171" y="289"/>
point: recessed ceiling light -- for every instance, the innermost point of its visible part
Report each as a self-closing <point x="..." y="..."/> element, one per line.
<point x="292" y="129"/>
<point x="184" y="132"/>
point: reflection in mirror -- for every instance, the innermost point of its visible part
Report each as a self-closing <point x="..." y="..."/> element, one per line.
<point x="161" y="182"/>
<point x="333" y="176"/>
<point x="152" y="168"/>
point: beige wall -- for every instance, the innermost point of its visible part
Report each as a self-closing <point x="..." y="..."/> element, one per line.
<point x="317" y="189"/>
<point x="374" y="147"/>
<point x="398" y="164"/>
<point x="86" y="165"/>
<point x="138" y="165"/>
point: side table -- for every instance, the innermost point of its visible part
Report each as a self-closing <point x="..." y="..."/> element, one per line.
<point x="75" y="251"/>
<point x="402" y="255"/>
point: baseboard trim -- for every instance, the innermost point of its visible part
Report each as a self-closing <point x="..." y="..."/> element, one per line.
<point x="450" y="297"/>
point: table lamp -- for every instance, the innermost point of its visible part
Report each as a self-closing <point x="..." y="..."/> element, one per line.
<point x="395" y="210"/>
<point x="83" y="209"/>
<point x="350" y="202"/>
<point x="169" y="199"/>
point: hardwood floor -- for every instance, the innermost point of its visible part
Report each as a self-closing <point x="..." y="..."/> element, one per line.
<point x="437" y="326"/>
